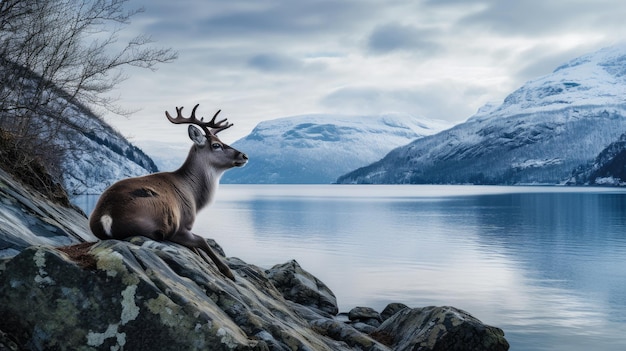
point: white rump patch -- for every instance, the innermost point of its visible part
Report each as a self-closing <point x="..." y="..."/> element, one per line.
<point x="107" y="223"/>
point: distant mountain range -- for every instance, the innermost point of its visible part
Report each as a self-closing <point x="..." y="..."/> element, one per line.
<point x="319" y="148"/>
<point x="538" y="135"/>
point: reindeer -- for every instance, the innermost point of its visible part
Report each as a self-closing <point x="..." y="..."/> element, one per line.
<point x="163" y="206"/>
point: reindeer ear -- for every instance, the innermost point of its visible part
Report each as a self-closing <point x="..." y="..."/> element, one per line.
<point x="197" y="136"/>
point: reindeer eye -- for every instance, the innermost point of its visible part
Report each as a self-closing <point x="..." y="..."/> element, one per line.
<point x="216" y="146"/>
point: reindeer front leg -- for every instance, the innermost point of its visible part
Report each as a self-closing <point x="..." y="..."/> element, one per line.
<point x="195" y="242"/>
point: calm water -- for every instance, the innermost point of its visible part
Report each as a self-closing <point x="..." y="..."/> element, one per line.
<point x="545" y="264"/>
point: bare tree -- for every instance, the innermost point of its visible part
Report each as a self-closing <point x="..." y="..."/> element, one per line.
<point x="57" y="56"/>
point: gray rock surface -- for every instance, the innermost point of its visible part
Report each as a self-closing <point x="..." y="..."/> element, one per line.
<point x="60" y="290"/>
<point x="439" y="329"/>
<point x="28" y="219"/>
<point x="300" y="286"/>
<point x="391" y="309"/>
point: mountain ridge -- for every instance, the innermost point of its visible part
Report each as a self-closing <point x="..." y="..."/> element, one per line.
<point x="538" y="135"/>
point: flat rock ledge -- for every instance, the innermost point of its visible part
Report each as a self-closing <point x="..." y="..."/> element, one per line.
<point x="61" y="291"/>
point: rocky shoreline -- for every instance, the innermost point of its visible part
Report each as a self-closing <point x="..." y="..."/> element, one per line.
<point x="61" y="289"/>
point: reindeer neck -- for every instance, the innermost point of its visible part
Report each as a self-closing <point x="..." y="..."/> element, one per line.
<point x="202" y="180"/>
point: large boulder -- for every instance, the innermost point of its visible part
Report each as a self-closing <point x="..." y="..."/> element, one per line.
<point x="302" y="287"/>
<point x="439" y="329"/>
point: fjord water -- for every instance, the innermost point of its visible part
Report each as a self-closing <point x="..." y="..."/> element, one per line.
<point x="545" y="264"/>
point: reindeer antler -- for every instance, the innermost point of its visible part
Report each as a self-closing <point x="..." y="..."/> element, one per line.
<point x="210" y="128"/>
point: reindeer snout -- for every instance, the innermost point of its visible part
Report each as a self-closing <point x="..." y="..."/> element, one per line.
<point x="242" y="159"/>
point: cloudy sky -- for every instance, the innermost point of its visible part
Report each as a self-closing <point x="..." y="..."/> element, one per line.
<point x="264" y="59"/>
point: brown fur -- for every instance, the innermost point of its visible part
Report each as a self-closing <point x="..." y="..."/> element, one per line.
<point x="163" y="206"/>
<point x="137" y="208"/>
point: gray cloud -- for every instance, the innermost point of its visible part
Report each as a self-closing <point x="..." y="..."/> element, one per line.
<point x="537" y="17"/>
<point x="396" y="37"/>
<point x="437" y="101"/>
<point x="279" y="63"/>
<point x="263" y="59"/>
<point x="268" y="36"/>
<point x="274" y="63"/>
<point x="238" y="19"/>
<point x="540" y="60"/>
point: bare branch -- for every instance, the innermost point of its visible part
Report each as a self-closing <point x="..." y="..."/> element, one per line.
<point x="64" y="53"/>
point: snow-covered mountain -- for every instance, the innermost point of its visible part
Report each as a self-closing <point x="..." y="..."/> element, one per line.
<point x="97" y="155"/>
<point x="319" y="148"/>
<point x="85" y="153"/>
<point x="539" y="134"/>
<point x="100" y="156"/>
<point x="609" y="167"/>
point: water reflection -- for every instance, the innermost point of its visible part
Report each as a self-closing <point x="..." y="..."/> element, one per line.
<point x="86" y="202"/>
<point x="569" y="241"/>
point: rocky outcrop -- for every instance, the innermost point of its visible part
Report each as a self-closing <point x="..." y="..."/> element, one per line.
<point x="140" y="294"/>
<point x="439" y="328"/>
<point x="28" y="219"/>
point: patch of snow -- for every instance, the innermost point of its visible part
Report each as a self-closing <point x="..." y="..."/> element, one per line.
<point x="536" y="163"/>
<point x="609" y="181"/>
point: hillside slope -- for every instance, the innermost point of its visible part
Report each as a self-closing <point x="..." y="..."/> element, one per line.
<point x="100" y="155"/>
<point x="608" y="168"/>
